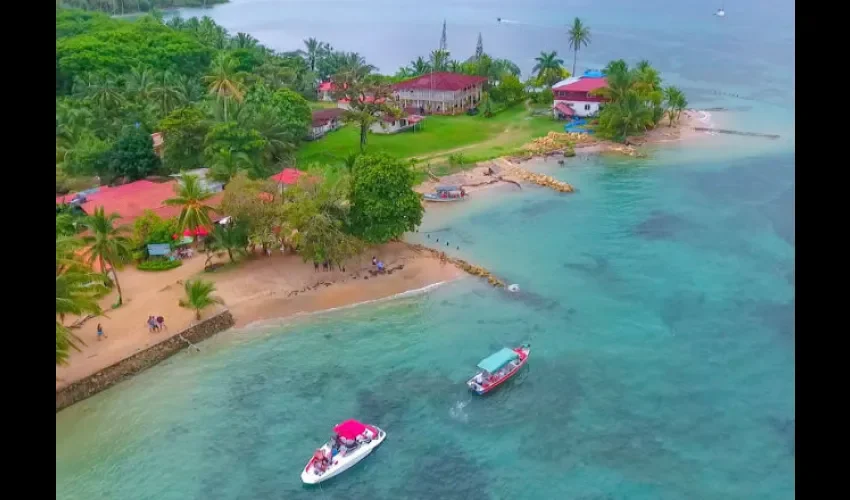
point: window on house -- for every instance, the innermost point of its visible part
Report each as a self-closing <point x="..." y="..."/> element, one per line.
<point x="587" y="107"/>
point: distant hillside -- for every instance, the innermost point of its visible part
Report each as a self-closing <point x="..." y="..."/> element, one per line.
<point x="118" y="7"/>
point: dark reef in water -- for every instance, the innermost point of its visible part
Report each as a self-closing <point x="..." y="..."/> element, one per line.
<point x="787" y="429"/>
<point x="778" y="316"/>
<point x="533" y="209"/>
<point x="598" y="268"/>
<point x="682" y="305"/>
<point x="445" y="472"/>
<point x="660" y="225"/>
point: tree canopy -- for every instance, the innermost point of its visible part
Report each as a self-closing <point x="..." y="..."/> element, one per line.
<point x="383" y="203"/>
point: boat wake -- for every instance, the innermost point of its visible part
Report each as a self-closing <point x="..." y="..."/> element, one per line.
<point x="458" y="411"/>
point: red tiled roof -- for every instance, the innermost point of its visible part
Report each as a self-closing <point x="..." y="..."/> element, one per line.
<point x="325" y="86"/>
<point x="131" y="200"/>
<point x="368" y="98"/>
<point x="583" y="85"/>
<point x="440" y="81"/>
<point x="323" y="116"/>
<point x="566" y="110"/>
<point x="287" y="176"/>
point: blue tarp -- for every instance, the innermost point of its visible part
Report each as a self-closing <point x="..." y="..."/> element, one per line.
<point x="159" y="249"/>
<point x="593" y="73"/>
<point x="495" y="361"/>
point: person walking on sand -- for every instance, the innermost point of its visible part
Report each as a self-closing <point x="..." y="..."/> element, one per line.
<point x="151" y="324"/>
<point x="160" y="322"/>
<point x="100" y="332"/>
<point x="374" y="261"/>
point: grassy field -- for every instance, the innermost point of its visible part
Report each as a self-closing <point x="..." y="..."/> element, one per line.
<point x="475" y="137"/>
<point x="322" y="104"/>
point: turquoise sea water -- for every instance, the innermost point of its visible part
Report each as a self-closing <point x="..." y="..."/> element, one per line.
<point x="659" y="302"/>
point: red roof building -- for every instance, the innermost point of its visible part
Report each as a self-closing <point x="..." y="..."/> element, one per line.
<point x="578" y="96"/>
<point x="325" y="120"/>
<point x="325" y="91"/>
<point x="288" y="176"/>
<point x="131" y="200"/>
<point x="442" y="92"/>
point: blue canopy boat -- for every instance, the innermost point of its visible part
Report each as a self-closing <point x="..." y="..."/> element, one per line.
<point x="497" y="368"/>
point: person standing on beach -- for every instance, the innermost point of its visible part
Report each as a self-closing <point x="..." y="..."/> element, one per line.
<point x="374" y="261"/>
<point x="160" y="322"/>
<point x="100" y="332"/>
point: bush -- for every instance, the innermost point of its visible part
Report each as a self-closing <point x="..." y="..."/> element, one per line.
<point x="159" y="265"/>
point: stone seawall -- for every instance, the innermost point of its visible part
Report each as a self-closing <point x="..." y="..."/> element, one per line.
<point x="142" y="360"/>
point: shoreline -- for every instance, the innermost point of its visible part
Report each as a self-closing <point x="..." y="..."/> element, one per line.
<point x="263" y="289"/>
<point x="260" y="288"/>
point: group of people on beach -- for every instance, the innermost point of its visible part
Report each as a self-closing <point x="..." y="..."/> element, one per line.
<point x="156" y="323"/>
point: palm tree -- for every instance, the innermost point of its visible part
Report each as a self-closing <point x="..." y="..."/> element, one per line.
<point x="676" y="102"/>
<point x="106" y="244"/>
<point x="579" y="36"/>
<point x="548" y="67"/>
<point x="632" y="114"/>
<point x="279" y="141"/>
<point x="616" y="66"/>
<point x="244" y="41"/>
<point x="232" y="238"/>
<point x="455" y="66"/>
<point x="199" y="296"/>
<point x="439" y="60"/>
<point x="355" y="67"/>
<point x="77" y="291"/>
<point x="313" y="52"/>
<point x="419" y="66"/>
<point x="227" y="163"/>
<point x="103" y="92"/>
<point x="191" y="196"/>
<point x="166" y="91"/>
<point x="620" y="81"/>
<point x="225" y="82"/>
<point x="138" y="81"/>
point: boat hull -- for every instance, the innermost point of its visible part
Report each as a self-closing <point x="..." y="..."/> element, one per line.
<point x="481" y="390"/>
<point x="342" y="464"/>
<point x="442" y="200"/>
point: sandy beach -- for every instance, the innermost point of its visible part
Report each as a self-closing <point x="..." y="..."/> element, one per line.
<point x="261" y="287"/>
<point x="277" y="286"/>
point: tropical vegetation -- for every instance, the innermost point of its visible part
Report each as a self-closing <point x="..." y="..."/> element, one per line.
<point x="579" y="36"/>
<point x="199" y="296"/>
<point x="638" y="102"/>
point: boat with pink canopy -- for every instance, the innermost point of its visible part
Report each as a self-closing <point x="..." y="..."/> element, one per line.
<point x="352" y="442"/>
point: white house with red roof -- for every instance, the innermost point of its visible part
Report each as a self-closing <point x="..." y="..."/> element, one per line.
<point x="408" y="119"/>
<point x="324" y="121"/>
<point x="440" y="93"/>
<point x="325" y="91"/>
<point x="576" y="99"/>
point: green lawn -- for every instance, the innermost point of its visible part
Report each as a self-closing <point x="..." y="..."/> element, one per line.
<point x="476" y="137"/>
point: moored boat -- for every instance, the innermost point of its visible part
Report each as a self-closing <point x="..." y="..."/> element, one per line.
<point x="498" y="367"/>
<point x="446" y="193"/>
<point x="352" y="442"/>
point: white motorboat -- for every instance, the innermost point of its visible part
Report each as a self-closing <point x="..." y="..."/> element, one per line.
<point x="351" y="443"/>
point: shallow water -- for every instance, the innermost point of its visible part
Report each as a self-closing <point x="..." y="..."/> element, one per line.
<point x="659" y="302"/>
